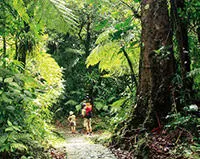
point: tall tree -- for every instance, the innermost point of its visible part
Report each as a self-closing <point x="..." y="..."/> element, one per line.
<point x="156" y="66"/>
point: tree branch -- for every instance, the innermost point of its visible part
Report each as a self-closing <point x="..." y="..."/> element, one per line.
<point x="79" y="33"/>
<point x="134" y="80"/>
<point x="135" y="12"/>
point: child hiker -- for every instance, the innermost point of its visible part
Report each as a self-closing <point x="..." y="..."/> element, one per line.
<point x="72" y="121"/>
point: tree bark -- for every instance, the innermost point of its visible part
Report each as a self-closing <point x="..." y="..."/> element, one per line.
<point x="156" y="67"/>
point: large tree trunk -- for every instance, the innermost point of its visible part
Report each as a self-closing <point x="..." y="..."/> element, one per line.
<point x="156" y="67"/>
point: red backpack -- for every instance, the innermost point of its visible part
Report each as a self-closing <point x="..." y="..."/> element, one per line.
<point x="88" y="112"/>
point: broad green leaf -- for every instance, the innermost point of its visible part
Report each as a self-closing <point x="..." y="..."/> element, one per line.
<point x="3" y="138"/>
<point x="118" y="103"/>
<point x="78" y="107"/>
<point x="9" y="129"/>
<point x="9" y="123"/>
<point x="8" y="80"/>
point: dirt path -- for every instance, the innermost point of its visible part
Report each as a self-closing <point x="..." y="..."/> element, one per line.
<point x="79" y="146"/>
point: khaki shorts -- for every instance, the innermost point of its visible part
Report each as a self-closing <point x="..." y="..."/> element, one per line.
<point x="87" y="123"/>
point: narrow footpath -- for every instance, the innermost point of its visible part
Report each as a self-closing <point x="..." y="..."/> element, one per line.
<point x="80" y="146"/>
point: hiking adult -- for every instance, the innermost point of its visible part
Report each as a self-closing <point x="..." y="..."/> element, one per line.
<point x="87" y="115"/>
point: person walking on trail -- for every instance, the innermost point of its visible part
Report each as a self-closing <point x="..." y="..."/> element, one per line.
<point x="87" y="115"/>
<point x="72" y="122"/>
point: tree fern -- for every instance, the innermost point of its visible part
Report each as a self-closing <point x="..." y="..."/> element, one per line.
<point x="110" y="58"/>
<point x="105" y="36"/>
<point x="109" y="55"/>
<point x="62" y="19"/>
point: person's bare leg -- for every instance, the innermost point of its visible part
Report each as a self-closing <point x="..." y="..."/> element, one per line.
<point x="88" y="127"/>
<point x="72" y="129"/>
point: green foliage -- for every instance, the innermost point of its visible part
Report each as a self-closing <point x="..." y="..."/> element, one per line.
<point x="64" y="20"/>
<point x="108" y="52"/>
<point x="195" y="75"/>
<point x="120" y="109"/>
<point x="109" y="57"/>
<point x="20" y="7"/>
<point x="25" y="103"/>
<point x="187" y="120"/>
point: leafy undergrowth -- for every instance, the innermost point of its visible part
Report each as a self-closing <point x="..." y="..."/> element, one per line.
<point x="56" y="150"/>
<point x="25" y="99"/>
<point x="179" y="139"/>
<point x="104" y="138"/>
<point x="174" y="144"/>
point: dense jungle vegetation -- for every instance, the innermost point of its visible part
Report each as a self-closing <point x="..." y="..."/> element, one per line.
<point x="137" y="60"/>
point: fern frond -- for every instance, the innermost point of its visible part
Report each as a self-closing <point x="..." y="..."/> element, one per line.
<point x="21" y="9"/>
<point x="63" y="14"/>
<point x="109" y="58"/>
<point x="103" y="37"/>
<point x="62" y="19"/>
<point x="61" y="6"/>
<point x="19" y="146"/>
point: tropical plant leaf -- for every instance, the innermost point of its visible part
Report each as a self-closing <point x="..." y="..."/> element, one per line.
<point x="18" y="146"/>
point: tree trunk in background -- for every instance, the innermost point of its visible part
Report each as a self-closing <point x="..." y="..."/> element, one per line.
<point x="198" y="33"/>
<point x="16" y="47"/>
<point x="180" y="28"/>
<point x="87" y="44"/>
<point x="88" y="38"/>
<point x="4" y="32"/>
<point x="4" y="46"/>
<point x="156" y="69"/>
<point x="24" y="45"/>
